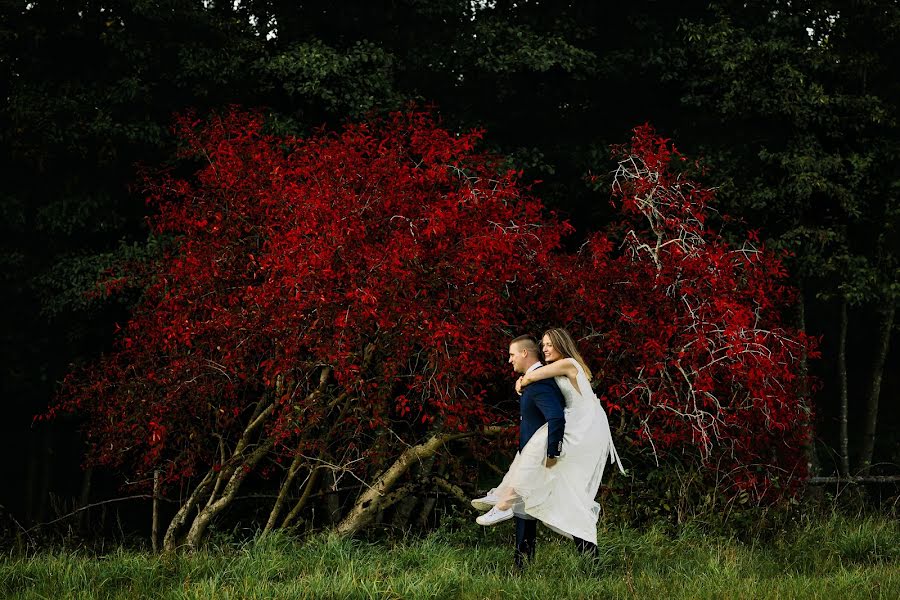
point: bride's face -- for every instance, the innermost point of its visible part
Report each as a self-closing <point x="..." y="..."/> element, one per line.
<point x="550" y="353"/>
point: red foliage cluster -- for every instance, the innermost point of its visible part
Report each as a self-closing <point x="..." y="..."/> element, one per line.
<point x="385" y="261"/>
<point x="690" y="329"/>
<point x="367" y="283"/>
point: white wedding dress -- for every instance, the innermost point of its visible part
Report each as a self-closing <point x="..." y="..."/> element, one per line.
<point x="562" y="497"/>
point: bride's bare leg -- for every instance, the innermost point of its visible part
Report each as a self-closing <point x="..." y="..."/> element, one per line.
<point x="508" y="497"/>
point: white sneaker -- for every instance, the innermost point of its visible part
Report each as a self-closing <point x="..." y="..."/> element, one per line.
<point x="485" y="502"/>
<point x="494" y="516"/>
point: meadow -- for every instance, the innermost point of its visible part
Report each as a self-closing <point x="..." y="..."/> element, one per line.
<point x="835" y="557"/>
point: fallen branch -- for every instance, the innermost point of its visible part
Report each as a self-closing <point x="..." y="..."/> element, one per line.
<point x="854" y="480"/>
<point x="83" y="508"/>
<point x="453" y="490"/>
<point x="380" y="492"/>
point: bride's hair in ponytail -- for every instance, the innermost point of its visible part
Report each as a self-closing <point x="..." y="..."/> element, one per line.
<point x="565" y="345"/>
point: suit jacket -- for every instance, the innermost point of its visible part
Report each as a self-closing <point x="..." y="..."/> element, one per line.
<point x="542" y="402"/>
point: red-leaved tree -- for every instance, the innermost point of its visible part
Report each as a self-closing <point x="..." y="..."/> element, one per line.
<point x="337" y="303"/>
<point x="689" y="330"/>
<point x="337" y="308"/>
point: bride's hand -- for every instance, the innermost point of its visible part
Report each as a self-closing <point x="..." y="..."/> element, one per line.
<point x="519" y="386"/>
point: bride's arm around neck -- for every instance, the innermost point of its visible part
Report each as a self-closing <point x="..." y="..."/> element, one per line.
<point x="564" y="367"/>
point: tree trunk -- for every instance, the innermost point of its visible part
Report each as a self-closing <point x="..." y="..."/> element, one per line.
<point x="31" y="476"/>
<point x="332" y="499"/>
<point x="871" y="421"/>
<point x="232" y="474"/>
<point x="283" y="493"/>
<point x="342" y="400"/>
<point x="216" y="505"/>
<point x="400" y="520"/>
<point x="431" y="499"/>
<point x="154" y="523"/>
<point x="403" y="512"/>
<point x="172" y="539"/>
<point x="842" y="378"/>
<point x="46" y="466"/>
<point x="812" y="459"/>
<point x="308" y="487"/>
<point x="380" y="493"/>
<point x="85" y="498"/>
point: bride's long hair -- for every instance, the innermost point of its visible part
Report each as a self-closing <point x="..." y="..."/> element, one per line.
<point x="565" y="345"/>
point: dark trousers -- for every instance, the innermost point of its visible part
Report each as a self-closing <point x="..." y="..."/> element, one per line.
<point x="526" y="536"/>
<point x="586" y="547"/>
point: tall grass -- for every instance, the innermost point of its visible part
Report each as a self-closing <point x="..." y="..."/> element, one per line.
<point x="835" y="558"/>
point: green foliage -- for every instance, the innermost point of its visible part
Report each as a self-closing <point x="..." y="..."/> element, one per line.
<point x="501" y="47"/>
<point x="350" y="83"/>
<point x="677" y="495"/>
<point x="803" y="96"/>
<point x="74" y="283"/>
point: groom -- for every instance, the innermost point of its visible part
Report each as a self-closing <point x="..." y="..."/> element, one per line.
<point x="541" y="402"/>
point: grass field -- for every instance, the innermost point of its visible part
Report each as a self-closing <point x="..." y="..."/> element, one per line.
<point x="833" y="559"/>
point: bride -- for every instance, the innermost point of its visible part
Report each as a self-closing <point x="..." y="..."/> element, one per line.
<point x="560" y="495"/>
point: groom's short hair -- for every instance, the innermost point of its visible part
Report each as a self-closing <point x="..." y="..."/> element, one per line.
<point x="527" y="342"/>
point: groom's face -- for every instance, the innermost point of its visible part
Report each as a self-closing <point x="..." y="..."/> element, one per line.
<point x="518" y="357"/>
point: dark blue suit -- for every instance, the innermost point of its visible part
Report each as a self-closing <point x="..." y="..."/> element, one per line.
<point x="541" y="402"/>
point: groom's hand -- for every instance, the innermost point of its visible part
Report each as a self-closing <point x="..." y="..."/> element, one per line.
<point x="551" y="460"/>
